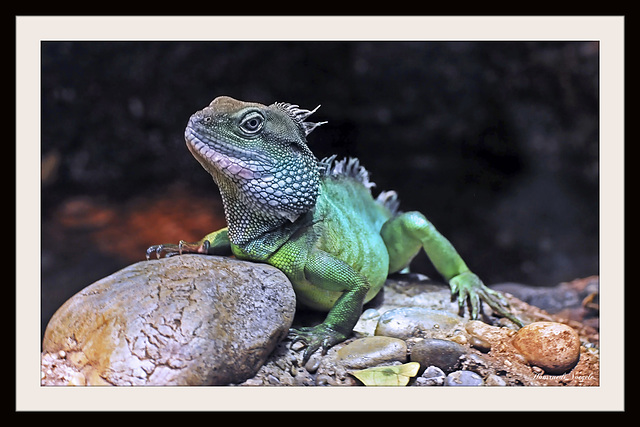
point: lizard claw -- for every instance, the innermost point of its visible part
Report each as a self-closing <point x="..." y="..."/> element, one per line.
<point x="167" y="250"/>
<point x="163" y="250"/>
<point x="157" y="249"/>
<point x="470" y="288"/>
<point x="316" y="337"/>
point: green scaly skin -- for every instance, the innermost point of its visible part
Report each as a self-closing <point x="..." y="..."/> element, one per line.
<point x="314" y="220"/>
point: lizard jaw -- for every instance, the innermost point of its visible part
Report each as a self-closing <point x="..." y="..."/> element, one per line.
<point x="216" y="160"/>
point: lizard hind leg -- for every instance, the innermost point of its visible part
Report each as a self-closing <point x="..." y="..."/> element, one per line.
<point x="406" y="233"/>
<point x="402" y="241"/>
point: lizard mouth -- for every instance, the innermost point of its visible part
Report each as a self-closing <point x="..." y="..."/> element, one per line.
<point x="221" y="158"/>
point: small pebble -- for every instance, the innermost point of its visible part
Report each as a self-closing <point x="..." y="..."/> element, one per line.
<point x="367" y="322"/>
<point x="537" y="371"/>
<point x="480" y="344"/>
<point x="554" y="347"/>
<point x="370" y="313"/>
<point x="273" y="380"/>
<point x="313" y="363"/>
<point x="486" y="332"/>
<point x="253" y="382"/>
<point x="433" y="372"/>
<point x="432" y="376"/>
<point x="297" y="346"/>
<point x="475" y="363"/>
<point x="77" y="379"/>
<point x="495" y="380"/>
<point x="463" y="378"/>
<point x="441" y="353"/>
<point x="460" y="339"/>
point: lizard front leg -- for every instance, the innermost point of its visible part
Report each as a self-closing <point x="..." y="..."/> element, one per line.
<point x="215" y="243"/>
<point x="329" y="273"/>
<point x="406" y="233"/>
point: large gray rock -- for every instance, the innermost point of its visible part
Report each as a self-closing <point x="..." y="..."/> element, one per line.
<point x="185" y="320"/>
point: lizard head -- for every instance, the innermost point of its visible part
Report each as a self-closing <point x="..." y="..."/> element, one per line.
<point x="257" y="154"/>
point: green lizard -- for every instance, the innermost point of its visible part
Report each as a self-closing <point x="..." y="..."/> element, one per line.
<point x="315" y="220"/>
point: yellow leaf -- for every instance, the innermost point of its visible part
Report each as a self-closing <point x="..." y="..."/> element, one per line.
<point x="397" y="375"/>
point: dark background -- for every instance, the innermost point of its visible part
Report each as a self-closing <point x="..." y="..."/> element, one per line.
<point x="495" y="142"/>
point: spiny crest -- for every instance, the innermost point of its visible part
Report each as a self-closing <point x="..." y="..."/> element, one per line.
<point x="298" y="115"/>
<point x="390" y="200"/>
<point x="351" y="167"/>
<point x="346" y="167"/>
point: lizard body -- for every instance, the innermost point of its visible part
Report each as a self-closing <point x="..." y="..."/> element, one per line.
<point x="317" y="221"/>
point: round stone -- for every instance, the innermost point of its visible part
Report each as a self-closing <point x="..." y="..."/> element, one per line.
<point x="554" y="347"/>
<point x="372" y="351"/>
<point x="184" y="320"/>
<point x="436" y="352"/>
<point x="407" y="322"/>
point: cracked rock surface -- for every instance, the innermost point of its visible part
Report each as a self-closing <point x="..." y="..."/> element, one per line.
<point x="187" y="320"/>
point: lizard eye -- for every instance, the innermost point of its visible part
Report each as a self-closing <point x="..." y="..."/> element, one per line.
<point x="252" y="122"/>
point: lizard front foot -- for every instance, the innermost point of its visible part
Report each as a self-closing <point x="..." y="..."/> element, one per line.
<point x="315" y="337"/>
<point x="167" y="250"/>
<point x="469" y="287"/>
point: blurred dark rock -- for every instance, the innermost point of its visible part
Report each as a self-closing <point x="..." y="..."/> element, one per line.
<point x="576" y="300"/>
